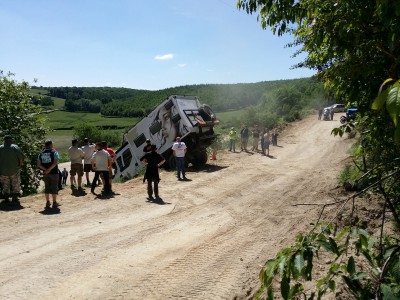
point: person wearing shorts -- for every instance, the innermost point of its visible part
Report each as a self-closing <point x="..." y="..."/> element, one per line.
<point x="48" y="162"/>
<point x="76" y="155"/>
<point x="88" y="150"/>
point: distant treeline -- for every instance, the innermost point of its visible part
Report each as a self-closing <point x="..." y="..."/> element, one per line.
<point x="124" y="102"/>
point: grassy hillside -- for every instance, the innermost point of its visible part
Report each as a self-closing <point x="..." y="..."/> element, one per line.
<point x="60" y="120"/>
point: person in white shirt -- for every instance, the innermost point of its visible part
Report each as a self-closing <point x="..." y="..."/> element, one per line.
<point x="179" y="149"/>
<point x="76" y="155"/>
<point x="101" y="164"/>
<point x="88" y="150"/>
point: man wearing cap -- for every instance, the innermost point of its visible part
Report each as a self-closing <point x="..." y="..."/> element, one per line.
<point x="179" y="150"/>
<point x="147" y="147"/>
<point x="153" y="161"/>
<point x="11" y="158"/>
<point x="48" y="162"/>
<point x="232" y="139"/>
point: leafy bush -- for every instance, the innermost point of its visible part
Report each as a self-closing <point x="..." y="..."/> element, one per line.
<point x="19" y="118"/>
<point x="85" y="130"/>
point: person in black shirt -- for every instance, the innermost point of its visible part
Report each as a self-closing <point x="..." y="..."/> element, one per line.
<point x="147" y="147"/>
<point x="48" y="162"/>
<point x="153" y="161"/>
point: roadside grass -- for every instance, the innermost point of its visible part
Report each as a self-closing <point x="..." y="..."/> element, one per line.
<point x="228" y="116"/>
<point x="67" y="120"/>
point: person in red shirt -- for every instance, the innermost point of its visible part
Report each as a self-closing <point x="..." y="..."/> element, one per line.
<point x="113" y="159"/>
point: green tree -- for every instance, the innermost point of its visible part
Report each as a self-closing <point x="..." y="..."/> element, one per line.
<point x="354" y="48"/>
<point x="20" y="118"/>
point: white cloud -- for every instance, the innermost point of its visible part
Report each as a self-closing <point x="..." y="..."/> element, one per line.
<point x="182" y="65"/>
<point x="164" y="56"/>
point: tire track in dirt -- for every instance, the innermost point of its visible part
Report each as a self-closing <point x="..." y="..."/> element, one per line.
<point x="207" y="243"/>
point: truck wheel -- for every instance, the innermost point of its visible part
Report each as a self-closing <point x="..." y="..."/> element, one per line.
<point x="206" y="113"/>
<point x="200" y="158"/>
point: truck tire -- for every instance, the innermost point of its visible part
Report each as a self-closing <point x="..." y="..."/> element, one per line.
<point x="200" y="158"/>
<point x="206" y="113"/>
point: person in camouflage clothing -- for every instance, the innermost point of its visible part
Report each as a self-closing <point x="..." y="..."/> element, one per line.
<point x="11" y="159"/>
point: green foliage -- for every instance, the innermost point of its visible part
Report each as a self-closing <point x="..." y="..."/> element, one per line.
<point x="85" y="130"/>
<point x="19" y="117"/>
<point x="389" y="94"/>
<point x="293" y="266"/>
<point x="353" y="48"/>
<point x="124" y="102"/>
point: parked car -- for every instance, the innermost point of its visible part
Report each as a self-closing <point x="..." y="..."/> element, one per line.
<point x="338" y="107"/>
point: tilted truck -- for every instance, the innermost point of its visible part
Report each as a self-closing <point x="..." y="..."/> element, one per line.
<point x="182" y="116"/>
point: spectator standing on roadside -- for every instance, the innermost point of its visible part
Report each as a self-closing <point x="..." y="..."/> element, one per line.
<point x="147" y="147"/>
<point x="274" y="137"/>
<point x="332" y="112"/>
<point x="101" y="164"/>
<point x="76" y="155"/>
<point x="267" y="140"/>
<point x="48" y="162"/>
<point x="153" y="161"/>
<point x="88" y="150"/>
<point x="232" y="139"/>
<point x="256" y="137"/>
<point x="320" y="111"/>
<point x="11" y="159"/>
<point x="244" y="138"/>
<point x="64" y="176"/>
<point x="262" y="141"/>
<point x="179" y="149"/>
<point x="112" y="163"/>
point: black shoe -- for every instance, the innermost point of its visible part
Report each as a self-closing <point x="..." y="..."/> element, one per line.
<point x="48" y="205"/>
<point x="55" y="205"/>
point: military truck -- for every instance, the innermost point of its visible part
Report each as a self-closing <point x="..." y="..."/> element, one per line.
<point x="182" y="116"/>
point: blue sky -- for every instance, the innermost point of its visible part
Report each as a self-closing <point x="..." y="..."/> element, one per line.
<point x="150" y="45"/>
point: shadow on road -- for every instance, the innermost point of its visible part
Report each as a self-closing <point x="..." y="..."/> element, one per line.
<point x="10" y="206"/>
<point x="157" y="200"/>
<point x="206" y="168"/>
<point x="50" y="211"/>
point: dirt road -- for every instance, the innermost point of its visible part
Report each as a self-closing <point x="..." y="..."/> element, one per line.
<point x="207" y="241"/>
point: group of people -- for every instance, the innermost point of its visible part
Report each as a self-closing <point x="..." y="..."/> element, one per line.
<point x="98" y="158"/>
<point x="264" y="138"/>
<point x="153" y="161"/>
<point x="327" y="112"/>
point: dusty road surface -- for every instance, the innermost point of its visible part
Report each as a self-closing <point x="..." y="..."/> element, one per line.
<point x="206" y="240"/>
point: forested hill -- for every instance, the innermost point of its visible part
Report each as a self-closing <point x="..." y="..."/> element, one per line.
<point x="137" y="103"/>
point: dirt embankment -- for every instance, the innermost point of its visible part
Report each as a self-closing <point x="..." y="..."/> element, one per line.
<point x="207" y="239"/>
